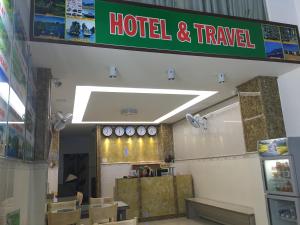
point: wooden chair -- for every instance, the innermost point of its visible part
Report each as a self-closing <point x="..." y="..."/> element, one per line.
<point x="64" y="218"/>
<point x="125" y="222"/>
<point x="79" y="198"/>
<point x="103" y="214"/>
<point x="101" y="201"/>
<point x="54" y="206"/>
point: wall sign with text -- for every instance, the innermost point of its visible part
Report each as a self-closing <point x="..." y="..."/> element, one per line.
<point x="137" y="26"/>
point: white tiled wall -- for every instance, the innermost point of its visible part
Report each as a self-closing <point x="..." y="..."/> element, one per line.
<point x="218" y="162"/>
<point x="224" y="135"/>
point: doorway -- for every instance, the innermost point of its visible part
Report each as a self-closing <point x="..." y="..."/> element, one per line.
<point x="75" y="175"/>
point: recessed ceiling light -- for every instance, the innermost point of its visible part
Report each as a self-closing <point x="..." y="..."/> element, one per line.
<point x="83" y="93"/>
<point x="129" y="112"/>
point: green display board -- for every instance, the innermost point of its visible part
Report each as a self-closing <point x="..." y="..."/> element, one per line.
<point x="148" y="28"/>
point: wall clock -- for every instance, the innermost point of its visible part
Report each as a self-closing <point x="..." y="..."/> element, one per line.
<point x="130" y="131"/>
<point x="119" y="131"/>
<point x="107" y="131"/>
<point x="141" y="131"/>
<point x="152" y="131"/>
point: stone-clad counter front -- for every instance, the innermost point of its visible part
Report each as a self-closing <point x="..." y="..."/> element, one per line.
<point x="155" y="197"/>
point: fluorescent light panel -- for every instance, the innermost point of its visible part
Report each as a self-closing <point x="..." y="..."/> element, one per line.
<point x="83" y="94"/>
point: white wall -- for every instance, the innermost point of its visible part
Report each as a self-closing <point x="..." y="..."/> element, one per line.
<point x="218" y="162"/>
<point x="24" y="189"/>
<point x="108" y="175"/>
<point x="282" y="11"/>
<point x="219" y="139"/>
<point x="289" y="89"/>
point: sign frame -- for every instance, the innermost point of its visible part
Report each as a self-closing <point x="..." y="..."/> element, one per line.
<point x="176" y="52"/>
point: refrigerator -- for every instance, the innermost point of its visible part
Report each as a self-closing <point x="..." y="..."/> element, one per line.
<point x="280" y="163"/>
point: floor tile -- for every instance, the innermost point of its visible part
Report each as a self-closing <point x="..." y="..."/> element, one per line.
<point x="179" y="221"/>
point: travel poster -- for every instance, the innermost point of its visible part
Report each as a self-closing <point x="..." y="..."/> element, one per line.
<point x="19" y="75"/>
<point x="290" y="42"/>
<point x="16" y="134"/>
<point x="6" y="14"/>
<point x="80" y="20"/>
<point x="49" y="20"/>
<point x="273" y="147"/>
<point x="273" y="44"/>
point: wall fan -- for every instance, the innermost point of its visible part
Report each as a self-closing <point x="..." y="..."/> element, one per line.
<point x="197" y="121"/>
<point x="61" y="120"/>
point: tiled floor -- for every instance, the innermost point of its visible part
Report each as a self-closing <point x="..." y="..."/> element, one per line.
<point x="179" y="221"/>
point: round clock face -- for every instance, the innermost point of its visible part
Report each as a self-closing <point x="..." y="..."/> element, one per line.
<point x="119" y="131"/>
<point x="141" y="130"/>
<point x="130" y="131"/>
<point x="107" y="131"/>
<point x="152" y="130"/>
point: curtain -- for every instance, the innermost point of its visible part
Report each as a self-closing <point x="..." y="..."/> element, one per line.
<point x="254" y="9"/>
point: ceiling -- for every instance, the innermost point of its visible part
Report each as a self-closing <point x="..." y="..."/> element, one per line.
<point x="89" y="66"/>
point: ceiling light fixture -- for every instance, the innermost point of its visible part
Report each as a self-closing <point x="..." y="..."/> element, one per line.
<point x="171" y="74"/>
<point x="113" y="72"/>
<point x="129" y="112"/>
<point x="221" y="78"/>
<point x="83" y="93"/>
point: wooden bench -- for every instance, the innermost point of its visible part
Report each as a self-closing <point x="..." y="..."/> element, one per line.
<point x="220" y="212"/>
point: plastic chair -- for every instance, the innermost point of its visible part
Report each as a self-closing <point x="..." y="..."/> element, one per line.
<point x="54" y="206"/>
<point x="103" y="214"/>
<point x="101" y="201"/>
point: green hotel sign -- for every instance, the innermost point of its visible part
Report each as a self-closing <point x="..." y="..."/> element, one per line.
<point x="143" y="27"/>
<point x="139" y="26"/>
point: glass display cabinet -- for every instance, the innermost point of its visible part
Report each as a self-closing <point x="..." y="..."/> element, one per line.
<point x="280" y="164"/>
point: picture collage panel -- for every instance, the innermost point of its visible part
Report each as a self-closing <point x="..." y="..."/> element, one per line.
<point x="72" y="20"/>
<point x="14" y="70"/>
<point x="6" y="18"/>
<point x="281" y="42"/>
<point x="49" y="20"/>
<point x="290" y="43"/>
<point x="80" y="20"/>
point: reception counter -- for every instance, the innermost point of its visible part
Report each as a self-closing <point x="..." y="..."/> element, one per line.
<point x="155" y="197"/>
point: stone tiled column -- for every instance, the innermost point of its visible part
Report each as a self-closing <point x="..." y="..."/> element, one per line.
<point x="165" y="140"/>
<point x="261" y="111"/>
<point x="42" y="134"/>
<point x="98" y="161"/>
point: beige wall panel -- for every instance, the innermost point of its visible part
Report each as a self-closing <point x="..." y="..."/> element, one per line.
<point x="127" y="190"/>
<point x="157" y="196"/>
